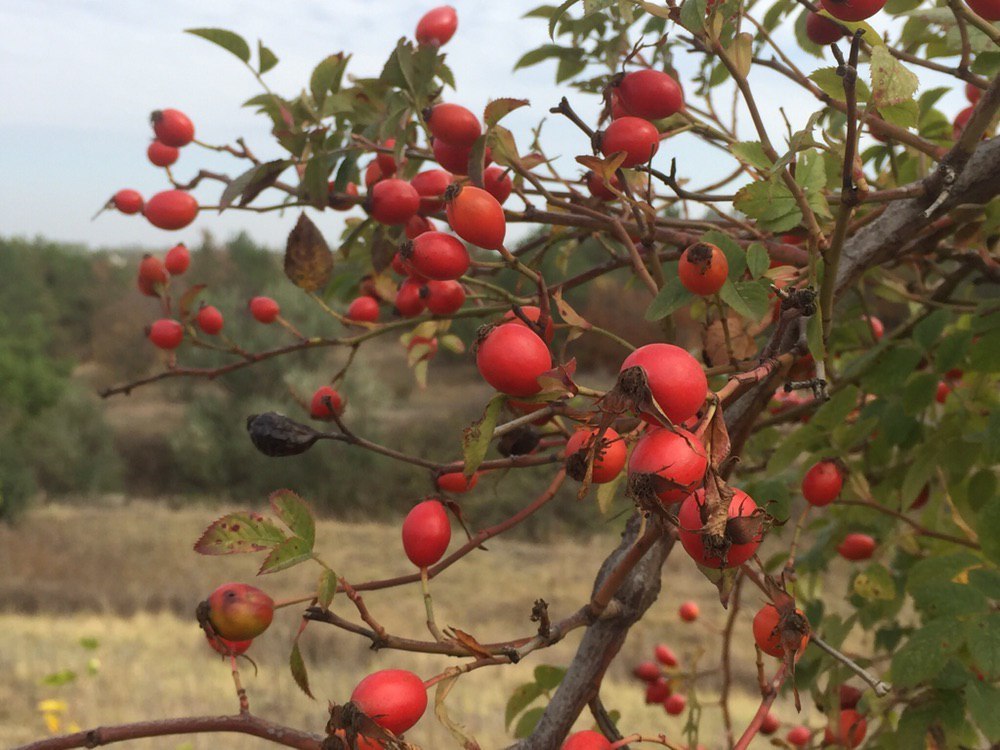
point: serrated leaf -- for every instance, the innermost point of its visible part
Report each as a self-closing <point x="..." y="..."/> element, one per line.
<point x="771" y="203"/>
<point x="892" y="82"/>
<point x="238" y="533"/>
<point x="298" y="666"/>
<point x="497" y="109"/>
<point x="758" y="260"/>
<point x="735" y="255"/>
<point x="751" y="152"/>
<point x="924" y="655"/>
<point x="528" y="721"/>
<point x="326" y="590"/>
<point x="747" y="298"/>
<point x="545" y="52"/>
<point x="308" y="260"/>
<point x="267" y="59"/>
<point x="226" y="39"/>
<point x="477" y="436"/>
<point x="833" y="85"/>
<point x="672" y="297"/>
<point x="520" y="699"/>
<point x="288" y="554"/>
<point x="292" y="511"/>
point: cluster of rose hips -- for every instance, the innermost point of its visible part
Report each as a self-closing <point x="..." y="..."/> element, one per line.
<point x="153" y="280"/>
<point x="170" y="209"/>
<point x="851" y="725"/>
<point x="659" y="684"/>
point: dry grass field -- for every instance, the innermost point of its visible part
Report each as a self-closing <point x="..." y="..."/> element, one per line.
<point x="128" y="578"/>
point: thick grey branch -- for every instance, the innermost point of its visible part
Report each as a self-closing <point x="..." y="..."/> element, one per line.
<point x="603" y="639"/>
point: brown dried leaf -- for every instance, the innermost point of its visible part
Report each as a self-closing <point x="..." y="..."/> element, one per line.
<point x="714" y="340"/>
<point x="469" y="642"/>
<point x="308" y="260"/>
<point x="568" y="314"/>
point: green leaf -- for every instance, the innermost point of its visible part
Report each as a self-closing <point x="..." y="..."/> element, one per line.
<point x="267" y="58"/>
<point x="810" y="174"/>
<point x="892" y="82"/>
<point x="253" y="182"/>
<point x="607" y="492"/>
<point x="874" y="583"/>
<point x="833" y="85"/>
<point x="228" y="40"/>
<point x="288" y="554"/>
<point x="298" y="667"/>
<point x="982" y="634"/>
<point x="673" y="296"/>
<point x="326" y="77"/>
<point x="987" y="525"/>
<point x="528" y="721"/>
<point x="693" y="15"/>
<point x="292" y="511"/>
<point x="549" y="677"/>
<point x="477" y="436"/>
<point x="751" y="152"/>
<point x="982" y="700"/>
<point x="834" y="412"/>
<point x="62" y="677"/>
<point x="237" y="533"/>
<point x="557" y="14"/>
<point x="758" y="260"/>
<point x="924" y="655"/>
<point x="545" y="52"/>
<point x="497" y="109"/>
<point x="771" y="203"/>
<point x="892" y="368"/>
<point x="747" y="298"/>
<point x="948" y="599"/>
<point x="326" y="590"/>
<point x="91" y="644"/>
<point x="814" y="334"/>
<point x="520" y="699"/>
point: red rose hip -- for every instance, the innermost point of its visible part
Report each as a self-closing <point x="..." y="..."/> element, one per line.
<point x="609" y="458"/>
<point x="691" y="522"/>
<point x="162" y="155"/>
<point x="209" y="319"/>
<point x="454" y="124"/>
<point x="393" y="201"/>
<point x="667" y="464"/>
<point x="172" y="127"/>
<point x="264" y="309"/>
<point x="511" y="358"/>
<point x="177" y="260"/>
<point x="821" y="30"/>
<point x="822" y="483"/>
<point x="127" y="201"/>
<point x="650" y="94"/>
<point x="675" y="378"/>
<point x="426" y="533"/>
<point x="394" y="698"/>
<point x="363" y="309"/>
<point x="477" y="217"/>
<point x="171" y="209"/>
<point x="588" y="739"/>
<point x="436" y="255"/>
<point x="638" y="138"/>
<point x="166" y="333"/>
<point x="703" y="269"/>
<point x="857" y="547"/>
<point x="437" y="26"/>
<point x="326" y="402"/>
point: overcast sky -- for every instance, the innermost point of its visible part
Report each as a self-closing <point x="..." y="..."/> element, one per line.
<point x="79" y="77"/>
